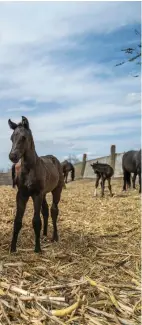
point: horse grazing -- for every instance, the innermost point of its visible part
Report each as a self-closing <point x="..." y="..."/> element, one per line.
<point x="131" y="163"/>
<point x="68" y="167"/>
<point x="103" y="172"/>
<point x="36" y="176"/>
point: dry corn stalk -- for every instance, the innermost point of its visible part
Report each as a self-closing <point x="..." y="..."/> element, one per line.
<point x="66" y="311"/>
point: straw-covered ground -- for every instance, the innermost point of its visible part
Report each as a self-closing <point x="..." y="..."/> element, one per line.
<point x="92" y="276"/>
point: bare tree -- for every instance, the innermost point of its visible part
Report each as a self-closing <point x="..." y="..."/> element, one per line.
<point x="73" y="159"/>
<point x="132" y="54"/>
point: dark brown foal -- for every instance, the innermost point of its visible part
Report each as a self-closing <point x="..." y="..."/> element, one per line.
<point x="36" y="177"/>
<point x="103" y="172"/>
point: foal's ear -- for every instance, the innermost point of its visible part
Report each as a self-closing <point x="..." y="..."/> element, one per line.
<point x="25" y="122"/>
<point x="12" y="125"/>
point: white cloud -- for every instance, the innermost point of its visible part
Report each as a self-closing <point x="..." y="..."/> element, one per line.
<point x="21" y="109"/>
<point x="132" y="98"/>
<point x="27" y="22"/>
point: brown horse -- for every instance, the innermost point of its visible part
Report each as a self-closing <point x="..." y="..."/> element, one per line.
<point x="36" y="176"/>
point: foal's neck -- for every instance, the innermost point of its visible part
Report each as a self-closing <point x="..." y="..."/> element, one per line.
<point x="30" y="157"/>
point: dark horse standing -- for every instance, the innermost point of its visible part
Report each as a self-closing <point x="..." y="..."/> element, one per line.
<point x="131" y="163"/>
<point x="36" y="177"/>
<point x="68" y="167"/>
<point x="103" y="172"/>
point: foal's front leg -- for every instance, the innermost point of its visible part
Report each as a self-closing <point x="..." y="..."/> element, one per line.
<point x="56" y="193"/>
<point x="21" y="202"/>
<point x="37" y="201"/>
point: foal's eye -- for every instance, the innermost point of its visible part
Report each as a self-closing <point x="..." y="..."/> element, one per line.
<point x="23" y="138"/>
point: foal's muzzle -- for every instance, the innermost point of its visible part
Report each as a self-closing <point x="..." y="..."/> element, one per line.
<point x="13" y="157"/>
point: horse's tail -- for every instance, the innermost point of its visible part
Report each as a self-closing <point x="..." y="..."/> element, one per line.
<point x="73" y="173"/>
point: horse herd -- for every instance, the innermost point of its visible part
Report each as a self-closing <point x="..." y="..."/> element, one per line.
<point x="36" y="176"/>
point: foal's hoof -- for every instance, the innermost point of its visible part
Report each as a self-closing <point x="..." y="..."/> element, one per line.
<point x="13" y="250"/>
<point x="55" y="238"/>
<point x="37" y="250"/>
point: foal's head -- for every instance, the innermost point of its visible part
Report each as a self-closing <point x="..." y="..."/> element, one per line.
<point x="94" y="166"/>
<point x="21" y="139"/>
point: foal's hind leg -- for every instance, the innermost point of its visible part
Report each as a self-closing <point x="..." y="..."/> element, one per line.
<point x="103" y="185"/>
<point x="56" y="193"/>
<point x="45" y="213"/>
<point x="96" y="184"/>
<point x="109" y="186"/>
<point x="37" y="201"/>
<point x="21" y="202"/>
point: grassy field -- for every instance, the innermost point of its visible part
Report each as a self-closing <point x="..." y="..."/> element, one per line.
<point x="96" y="262"/>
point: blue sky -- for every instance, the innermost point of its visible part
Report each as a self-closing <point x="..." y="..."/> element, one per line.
<point x="57" y="63"/>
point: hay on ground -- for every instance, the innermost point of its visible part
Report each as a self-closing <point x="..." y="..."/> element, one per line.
<point x="92" y="276"/>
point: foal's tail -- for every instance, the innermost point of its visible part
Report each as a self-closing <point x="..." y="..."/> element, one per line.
<point x="73" y="173"/>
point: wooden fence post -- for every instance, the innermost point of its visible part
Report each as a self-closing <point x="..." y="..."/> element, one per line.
<point x="83" y="164"/>
<point x="113" y="155"/>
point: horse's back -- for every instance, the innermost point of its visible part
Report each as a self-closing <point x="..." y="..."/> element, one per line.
<point x="103" y="169"/>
